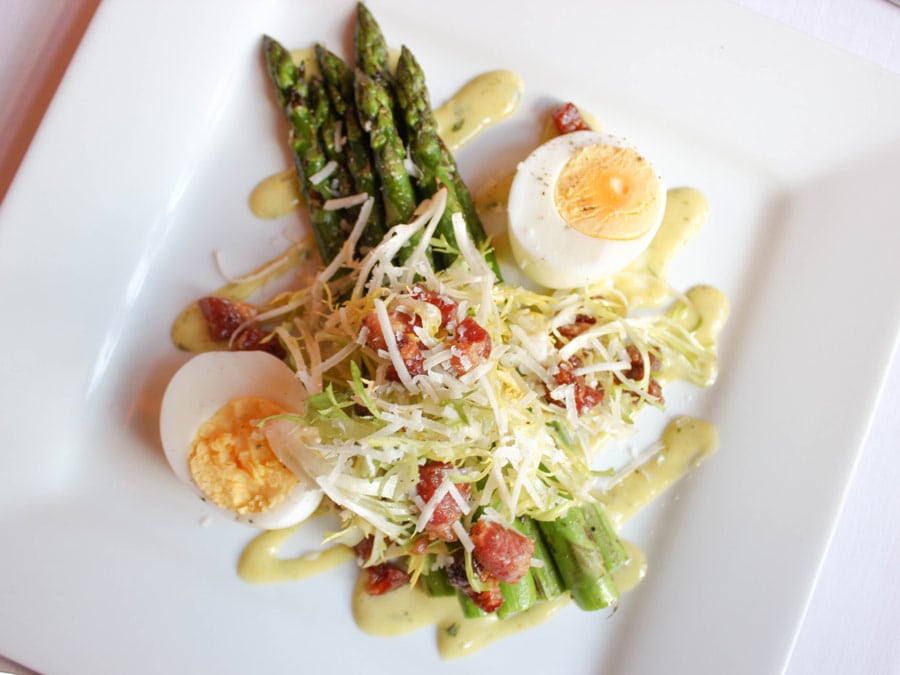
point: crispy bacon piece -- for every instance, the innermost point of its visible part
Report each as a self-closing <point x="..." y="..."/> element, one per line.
<point x="363" y="550"/>
<point x="407" y="343"/>
<point x="469" y="347"/>
<point x="447" y="305"/>
<point x="411" y="354"/>
<point x="224" y="317"/>
<point x="585" y="397"/>
<point x="469" y="343"/>
<point x="488" y="600"/>
<point x="636" y="371"/>
<point x="502" y="554"/>
<point x="567" y="119"/>
<point x="383" y="578"/>
<point x="400" y="324"/>
<point x="447" y="511"/>
<point x="654" y="389"/>
<point x="581" y="323"/>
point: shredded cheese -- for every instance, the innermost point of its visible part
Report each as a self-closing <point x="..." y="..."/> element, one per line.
<point x="347" y="202"/>
<point x="322" y="174"/>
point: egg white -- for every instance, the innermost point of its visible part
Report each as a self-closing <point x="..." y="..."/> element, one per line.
<point x="206" y="383"/>
<point x="548" y="250"/>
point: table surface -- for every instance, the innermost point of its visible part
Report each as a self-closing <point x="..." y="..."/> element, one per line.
<point x="852" y="619"/>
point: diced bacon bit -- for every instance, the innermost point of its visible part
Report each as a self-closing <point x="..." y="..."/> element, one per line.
<point x="407" y="343"/>
<point x="585" y="397"/>
<point x="567" y="119"/>
<point x="489" y="600"/>
<point x="636" y="371"/>
<point x="448" y="510"/>
<point x="224" y="317"/>
<point x="363" y="550"/>
<point x="251" y="339"/>
<point x="502" y="554"/>
<point x="447" y="305"/>
<point x="469" y="343"/>
<point x="384" y="577"/>
<point x="581" y="323"/>
<point x="411" y="354"/>
<point x="469" y="347"/>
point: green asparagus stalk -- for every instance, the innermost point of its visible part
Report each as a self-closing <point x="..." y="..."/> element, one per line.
<point x="517" y="597"/>
<point x="282" y="69"/>
<point x="580" y="560"/>
<point x="371" y="47"/>
<point x="546" y="577"/>
<point x="437" y="584"/>
<point x="614" y="554"/>
<point x="326" y="121"/>
<point x="339" y="78"/>
<point x="309" y="158"/>
<point x="435" y="163"/>
<point x="374" y="103"/>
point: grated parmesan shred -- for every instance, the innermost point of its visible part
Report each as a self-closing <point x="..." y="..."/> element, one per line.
<point x="322" y="174"/>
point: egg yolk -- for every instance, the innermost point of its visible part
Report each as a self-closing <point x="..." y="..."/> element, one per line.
<point x="606" y="192"/>
<point x="232" y="462"/>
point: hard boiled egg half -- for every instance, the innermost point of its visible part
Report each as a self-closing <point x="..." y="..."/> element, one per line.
<point x="581" y="207"/>
<point x="212" y="436"/>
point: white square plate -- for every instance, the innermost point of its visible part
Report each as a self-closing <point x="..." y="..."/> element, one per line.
<point x="142" y="168"/>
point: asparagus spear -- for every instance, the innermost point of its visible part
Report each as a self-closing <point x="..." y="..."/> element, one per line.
<point x="374" y="103"/>
<point x="437" y="584"/>
<point x="309" y="158"/>
<point x="281" y="67"/>
<point x="371" y="47"/>
<point x="435" y="163"/>
<point x="580" y="560"/>
<point x="546" y="578"/>
<point x="326" y="121"/>
<point x="338" y="78"/>
<point x="517" y="597"/>
<point x="614" y="554"/>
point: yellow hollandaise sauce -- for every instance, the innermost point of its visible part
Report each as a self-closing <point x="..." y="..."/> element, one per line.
<point x="260" y="562"/>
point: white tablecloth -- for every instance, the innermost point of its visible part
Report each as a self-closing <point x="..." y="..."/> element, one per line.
<point x="853" y="619"/>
